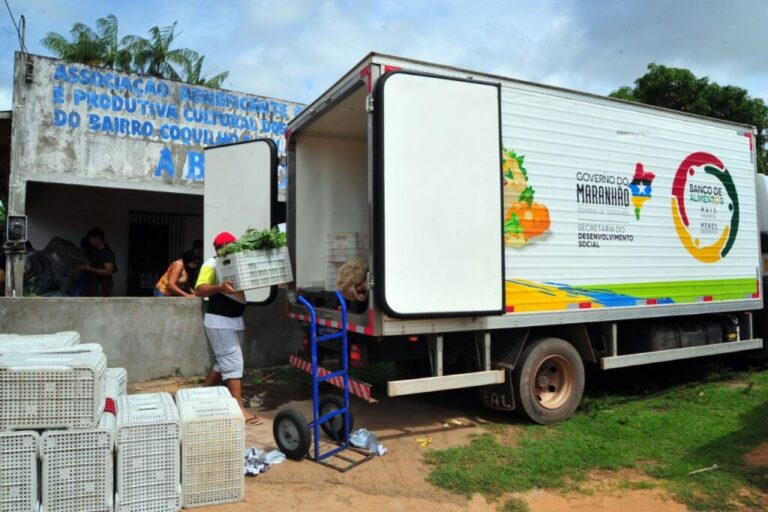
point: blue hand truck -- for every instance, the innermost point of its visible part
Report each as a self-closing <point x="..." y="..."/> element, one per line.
<point x="330" y="413"/>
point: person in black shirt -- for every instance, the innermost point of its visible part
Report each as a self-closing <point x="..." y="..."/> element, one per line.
<point x="97" y="277"/>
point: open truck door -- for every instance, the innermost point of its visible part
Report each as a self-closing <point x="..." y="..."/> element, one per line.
<point x="241" y="192"/>
<point x="438" y="185"/>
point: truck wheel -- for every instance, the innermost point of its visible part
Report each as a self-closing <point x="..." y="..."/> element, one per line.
<point x="292" y="435"/>
<point x="335" y="427"/>
<point x="548" y="381"/>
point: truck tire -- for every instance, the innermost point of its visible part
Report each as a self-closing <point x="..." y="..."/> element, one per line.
<point x="548" y="381"/>
<point x="335" y="427"/>
<point x="292" y="435"/>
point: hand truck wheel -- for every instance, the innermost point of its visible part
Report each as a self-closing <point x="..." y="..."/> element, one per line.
<point x="335" y="427"/>
<point x="292" y="435"/>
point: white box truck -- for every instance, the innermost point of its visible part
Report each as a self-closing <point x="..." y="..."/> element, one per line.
<point x="515" y="231"/>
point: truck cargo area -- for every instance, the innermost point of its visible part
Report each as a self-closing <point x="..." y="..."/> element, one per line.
<point x="329" y="196"/>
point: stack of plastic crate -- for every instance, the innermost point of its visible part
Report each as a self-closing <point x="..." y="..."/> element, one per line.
<point x="36" y="342"/>
<point x="77" y="468"/>
<point x="147" y="452"/>
<point x="343" y="247"/>
<point x="39" y="390"/>
<point x="18" y="471"/>
<point x="212" y="442"/>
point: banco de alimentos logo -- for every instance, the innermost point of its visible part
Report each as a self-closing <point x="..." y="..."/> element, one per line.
<point x="713" y="205"/>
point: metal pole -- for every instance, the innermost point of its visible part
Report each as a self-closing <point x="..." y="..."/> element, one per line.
<point x="14" y="269"/>
<point x="439" y="355"/>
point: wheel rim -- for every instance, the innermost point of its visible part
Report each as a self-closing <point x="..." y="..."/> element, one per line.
<point x="553" y="382"/>
<point x="288" y="435"/>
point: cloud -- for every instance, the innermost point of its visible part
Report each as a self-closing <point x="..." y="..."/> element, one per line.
<point x="296" y="49"/>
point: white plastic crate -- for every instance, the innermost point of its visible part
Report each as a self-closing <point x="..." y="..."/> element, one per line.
<point x="255" y="269"/>
<point x="26" y="342"/>
<point x="117" y="382"/>
<point x="75" y="349"/>
<point x="18" y="471"/>
<point x="202" y="393"/>
<point x="349" y="246"/>
<point x="39" y="391"/>
<point x="77" y="468"/>
<point x="147" y="449"/>
<point x="212" y="442"/>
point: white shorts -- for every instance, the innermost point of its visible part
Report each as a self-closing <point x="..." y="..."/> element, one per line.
<point x="227" y="351"/>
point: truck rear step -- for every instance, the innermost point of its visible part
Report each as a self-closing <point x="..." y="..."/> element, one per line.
<point x="461" y="380"/>
<point x="609" y="363"/>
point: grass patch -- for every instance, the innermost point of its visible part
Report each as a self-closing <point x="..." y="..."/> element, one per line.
<point x="664" y="433"/>
<point x="514" y="505"/>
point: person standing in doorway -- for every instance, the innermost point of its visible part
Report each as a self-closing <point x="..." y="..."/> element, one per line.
<point x="97" y="276"/>
<point x="224" y="327"/>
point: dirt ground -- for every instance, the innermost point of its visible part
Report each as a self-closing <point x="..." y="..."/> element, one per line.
<point x="395" y="481"/>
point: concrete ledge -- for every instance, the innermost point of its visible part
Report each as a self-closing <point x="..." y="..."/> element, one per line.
<point x="151" y="337"/>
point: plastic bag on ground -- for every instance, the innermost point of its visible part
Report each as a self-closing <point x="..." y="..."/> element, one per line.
<point x="259" y="461"/>
<point x="364" y="438"/>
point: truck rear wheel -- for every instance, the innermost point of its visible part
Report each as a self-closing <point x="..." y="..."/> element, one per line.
<point x="548" y="381"/>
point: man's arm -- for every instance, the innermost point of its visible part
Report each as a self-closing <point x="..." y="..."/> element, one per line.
<point x="107" y="271"/>
<point x="206" y="290"/>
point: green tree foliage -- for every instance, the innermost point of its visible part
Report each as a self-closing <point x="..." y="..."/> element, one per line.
<point x="154" y="56"/>
<point x="679" y="89"/>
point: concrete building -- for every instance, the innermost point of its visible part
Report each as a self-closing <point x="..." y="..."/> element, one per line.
<point x="86" y="147"/>
<point x="97" y="147"/>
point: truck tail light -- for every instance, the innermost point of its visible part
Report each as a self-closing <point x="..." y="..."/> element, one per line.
<point x="413" y="339"/>
<point x="356" y="355"/>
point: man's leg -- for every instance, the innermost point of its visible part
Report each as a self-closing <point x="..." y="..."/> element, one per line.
<point x="229" y="363"/>
<point x="235" y="387"/>
<point x="213" y="379"/>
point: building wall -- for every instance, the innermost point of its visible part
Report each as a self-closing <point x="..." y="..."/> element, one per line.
<point x="69" y="211"/>
<point x="152" y="337"/>
<point x="84" y="125"/>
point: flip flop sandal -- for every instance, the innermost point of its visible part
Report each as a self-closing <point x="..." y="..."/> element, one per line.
<point x="254" y="421"/>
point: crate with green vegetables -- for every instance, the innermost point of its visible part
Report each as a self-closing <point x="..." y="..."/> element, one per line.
<point x="256" y="260"/>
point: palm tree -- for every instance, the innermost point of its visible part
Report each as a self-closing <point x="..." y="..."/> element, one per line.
<point x="193" y="71"/>
<point x="115" y="54"/>
<point x="86" y="45"/>
<point x="155" y="57"/>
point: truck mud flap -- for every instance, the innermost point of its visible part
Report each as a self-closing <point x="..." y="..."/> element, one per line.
<point x="500" y="397"/>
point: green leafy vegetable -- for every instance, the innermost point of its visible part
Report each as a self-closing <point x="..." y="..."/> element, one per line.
<point x="254" y="240"/>
<point x="512" y="225"/>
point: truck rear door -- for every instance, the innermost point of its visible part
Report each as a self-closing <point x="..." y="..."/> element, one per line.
<point x="438" y="196"/>
<point x="240" y="192"/>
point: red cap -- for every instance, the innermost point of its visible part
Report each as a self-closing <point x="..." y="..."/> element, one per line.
<point x="223" y="239"/>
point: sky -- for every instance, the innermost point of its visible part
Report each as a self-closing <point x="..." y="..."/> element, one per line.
<point x="295" y="49"/>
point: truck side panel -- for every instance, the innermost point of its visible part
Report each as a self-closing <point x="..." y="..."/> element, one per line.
<point x="610" y="207"/>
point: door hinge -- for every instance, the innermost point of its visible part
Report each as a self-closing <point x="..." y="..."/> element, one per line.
<point x="369" y="103"/>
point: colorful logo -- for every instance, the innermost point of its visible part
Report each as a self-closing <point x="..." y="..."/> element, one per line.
<point x="712" y="200"/>
<point x="640" y="187"/>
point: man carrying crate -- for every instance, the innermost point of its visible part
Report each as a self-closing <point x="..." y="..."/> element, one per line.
<point x="224" y="327"/>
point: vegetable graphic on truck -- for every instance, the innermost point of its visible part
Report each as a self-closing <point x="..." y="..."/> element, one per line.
<point x="524" y="218"/>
